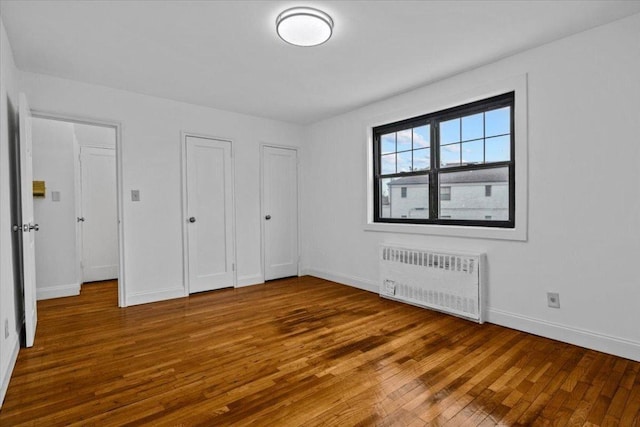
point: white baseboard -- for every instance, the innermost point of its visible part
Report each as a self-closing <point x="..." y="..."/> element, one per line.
<point x="6" y="376"/>
<point x="356" y="282"/>
<point x="253" y="279"/>
<point x="155" y="296"/>
<point x="58" y="291"/>
<point x="580" y="337"/>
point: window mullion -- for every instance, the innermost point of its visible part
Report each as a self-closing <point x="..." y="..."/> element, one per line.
<point x="433" y="170"/>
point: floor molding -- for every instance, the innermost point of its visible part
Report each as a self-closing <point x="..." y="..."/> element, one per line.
<point x="58" y="291"/>
<point x="580" y="337"/>
<point x="249" y="280"/>
<point x="356" y="282"/>
<point x="155" y="296"/>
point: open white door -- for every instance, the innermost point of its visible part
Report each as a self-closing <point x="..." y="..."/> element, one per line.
<point x="28" y="226"/>
<point x="280" y="210"/>
<point x="99" y="218"/>
<point x="210" y="246"/>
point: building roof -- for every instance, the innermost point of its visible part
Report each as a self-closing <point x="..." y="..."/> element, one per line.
<point x="475" y="177"/>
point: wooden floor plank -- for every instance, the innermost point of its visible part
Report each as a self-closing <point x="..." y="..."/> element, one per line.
<point x="302" y="352"/>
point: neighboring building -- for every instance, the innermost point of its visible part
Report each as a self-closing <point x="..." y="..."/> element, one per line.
<point x="480" y="194"/>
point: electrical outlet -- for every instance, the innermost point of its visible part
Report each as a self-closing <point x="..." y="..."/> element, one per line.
<point x="553" y="299"/>
<point x="6" y="328"/>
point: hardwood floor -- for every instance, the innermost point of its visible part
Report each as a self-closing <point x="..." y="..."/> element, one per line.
<point x="302" y="351"/>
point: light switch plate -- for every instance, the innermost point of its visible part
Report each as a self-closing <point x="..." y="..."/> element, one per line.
<point x="55" y="196"/>
<point x="135" y="195"/>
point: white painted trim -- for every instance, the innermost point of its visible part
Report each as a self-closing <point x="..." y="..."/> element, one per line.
<point x="122" y="283"/>
<point x="264" y="145"/>
<point x="10" y="366"/>
<point x="355" y="282"/>
<point x="154" y="296"/>
<point x="518" y="84"/>
<point x="58" y="291"/>
<point x="576" y="336"/>
<point x="183" y="176"/>
<point x="249" y="280"/>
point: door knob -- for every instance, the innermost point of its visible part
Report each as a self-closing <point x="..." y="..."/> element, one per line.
<point x="268" y="217"/>
<point x="192" y="219"/>
<point x="35" y="227"/>
<point x="80" y="219"/>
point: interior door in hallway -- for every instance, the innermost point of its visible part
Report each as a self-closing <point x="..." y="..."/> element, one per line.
<point x="209" y="207"/>
<point x="28" y="226"/>
<point x="280" y="211"/>
<point x="99" y="217"/>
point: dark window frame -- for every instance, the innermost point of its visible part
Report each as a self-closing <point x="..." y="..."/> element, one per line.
<point x="434" y="119"/>
<point x="403" y="192"/>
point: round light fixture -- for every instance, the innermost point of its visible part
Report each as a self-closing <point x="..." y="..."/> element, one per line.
<point x="304" y="26"/>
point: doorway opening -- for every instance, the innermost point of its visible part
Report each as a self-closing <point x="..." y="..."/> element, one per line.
<point x="80" y="240"/>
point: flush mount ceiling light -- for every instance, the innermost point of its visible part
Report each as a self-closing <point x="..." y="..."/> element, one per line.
<point x="304" y="26"/>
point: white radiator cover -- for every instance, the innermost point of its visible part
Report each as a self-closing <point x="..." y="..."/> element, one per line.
<point x="451" y="282"/>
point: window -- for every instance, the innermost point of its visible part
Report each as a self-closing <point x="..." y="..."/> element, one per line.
<point x="452" y="161"/>
<point x="445" y="193"/>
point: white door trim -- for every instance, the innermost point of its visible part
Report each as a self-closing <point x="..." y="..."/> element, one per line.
<point x="262" y="201"/>
<point x="185" y="241"/>
<point x="122" y="288"/>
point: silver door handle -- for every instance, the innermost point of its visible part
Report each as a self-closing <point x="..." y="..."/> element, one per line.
<point x="192" y="219"/>
<point x="268" y="217"/>
<point x="80" y="219"/>
<point x="35" y="227"/>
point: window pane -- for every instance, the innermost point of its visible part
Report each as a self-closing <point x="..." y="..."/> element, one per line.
<point x="473" y="152"/>
<point x="468" y="199"/>
<point x="404" y="140"/>
<point x="450" y="155"/>
<point x="388" y="164"/>
<point x="472" y="127"/>
<point x="422" y="137"/>
<point x="404" y="161"/>
<point x="450" y="131"/>
<point x="385" y="207"/>
<point x="498" y="122"/>
<point x="415" y="204"/>
<point x="421" y="159"/>
<point x="498" y="149"/>
<point x="445" y="193"/>
<point x="388" y="143"/>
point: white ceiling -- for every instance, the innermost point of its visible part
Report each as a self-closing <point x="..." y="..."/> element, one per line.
<point x="226" y="54"/>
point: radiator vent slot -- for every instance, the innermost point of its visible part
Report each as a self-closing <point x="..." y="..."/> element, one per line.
<point x="443" y="281"/>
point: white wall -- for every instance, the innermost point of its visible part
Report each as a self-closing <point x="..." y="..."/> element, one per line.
<point x="95" y="136"/>
<point x="9" y="344"/>
<point x="151" y="163"/>
<point x="584" y="209"/>
<point x="54" y="161"/>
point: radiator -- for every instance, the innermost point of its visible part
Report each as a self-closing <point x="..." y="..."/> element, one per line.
<point x="449" y="282"/>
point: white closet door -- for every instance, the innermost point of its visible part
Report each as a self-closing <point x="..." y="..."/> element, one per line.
<point x="280" y="212"/>
<point x="99" y="210"/>
<point x="209" y="214"/>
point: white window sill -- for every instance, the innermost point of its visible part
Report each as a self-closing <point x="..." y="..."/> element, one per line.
<point x="516" y="234"/>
